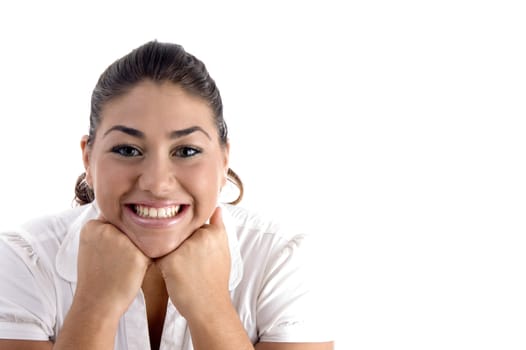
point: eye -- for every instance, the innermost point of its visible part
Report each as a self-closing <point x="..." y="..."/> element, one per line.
<point x="126" y="151"/>
<point x="186" y="152"/>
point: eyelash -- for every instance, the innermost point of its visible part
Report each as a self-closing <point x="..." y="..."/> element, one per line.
<point x="120" y="150"/>
<point x="181" y="151"/>
<point x="193" y="150"/>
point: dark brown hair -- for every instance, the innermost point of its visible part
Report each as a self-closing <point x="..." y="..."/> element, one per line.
<point x="159" y="62"/>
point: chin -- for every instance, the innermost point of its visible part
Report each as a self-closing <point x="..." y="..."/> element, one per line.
<point x="157" y="252"/>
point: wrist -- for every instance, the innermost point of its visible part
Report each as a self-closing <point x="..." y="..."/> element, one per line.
<point x="87" y="328"/>
<point x="218" y="327"/>
<point x="95" y="310"/>
<point x="210" y="313"/>
<point x="206" y="305"/>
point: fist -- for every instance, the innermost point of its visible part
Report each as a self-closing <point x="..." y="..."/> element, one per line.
<point x="197" y="273"/>
<point x="110" y="268"/>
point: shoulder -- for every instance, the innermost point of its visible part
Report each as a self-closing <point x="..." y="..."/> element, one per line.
<point x="258" y="225"/>
<point x="56" y="224"/>
<point x="30" y="288"/>
<point x="282" y="279"/>
<point x="41" y="236"/>
<point x="262" y="239"/>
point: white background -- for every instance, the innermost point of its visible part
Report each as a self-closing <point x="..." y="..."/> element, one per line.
<point x="392" y="130"/>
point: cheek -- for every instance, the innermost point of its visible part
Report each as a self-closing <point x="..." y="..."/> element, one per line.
<point x="204" y="180"/>
<point x="107" y="176"/>
<point x="110" y="182"/>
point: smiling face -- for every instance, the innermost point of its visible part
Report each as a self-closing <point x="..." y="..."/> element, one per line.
<point x="156" y="165"/>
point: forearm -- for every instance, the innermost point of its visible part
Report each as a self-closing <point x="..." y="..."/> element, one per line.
<point x="219" y="329"/>
<point x="86" y="329"/>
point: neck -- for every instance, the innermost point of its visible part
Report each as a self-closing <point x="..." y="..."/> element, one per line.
<point x="156" y="298"/>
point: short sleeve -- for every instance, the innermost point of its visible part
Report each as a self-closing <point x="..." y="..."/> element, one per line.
<point x="292" y="305"/>
<point x="27" y="301"/>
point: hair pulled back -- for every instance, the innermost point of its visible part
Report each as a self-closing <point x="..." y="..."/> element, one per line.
<point x="159" y="62"/>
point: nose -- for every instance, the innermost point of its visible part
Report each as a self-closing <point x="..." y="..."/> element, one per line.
<point x="157" y="175"/>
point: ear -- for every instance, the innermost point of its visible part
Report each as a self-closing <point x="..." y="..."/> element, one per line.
<point x="86" y="159"/>
<point x="226" y="157"/>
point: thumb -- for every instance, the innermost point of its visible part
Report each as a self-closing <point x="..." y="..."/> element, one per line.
<point x="217" y="219"/>
<point x="102" y="218"/>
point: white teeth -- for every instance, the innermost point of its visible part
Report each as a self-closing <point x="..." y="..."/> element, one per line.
<point x="157" y="213"/>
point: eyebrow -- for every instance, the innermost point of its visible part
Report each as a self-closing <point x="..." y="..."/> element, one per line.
<point x="126" y="130"/>
<point x="173" y="135"/>
<point x="183" y="132"/>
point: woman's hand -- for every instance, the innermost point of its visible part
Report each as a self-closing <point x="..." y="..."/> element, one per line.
<point x="111" y="269"/>
<point x="197" y="273"/>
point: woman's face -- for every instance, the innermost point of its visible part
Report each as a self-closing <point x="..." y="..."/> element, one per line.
<point x="156" y="165"/>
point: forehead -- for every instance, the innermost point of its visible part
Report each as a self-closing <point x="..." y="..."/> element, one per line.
<point x="152" y="103"/>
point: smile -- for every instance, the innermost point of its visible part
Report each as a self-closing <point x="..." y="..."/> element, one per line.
<point x="156" y="213"/>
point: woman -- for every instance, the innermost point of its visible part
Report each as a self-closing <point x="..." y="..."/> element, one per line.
<point x="149" y="259"/>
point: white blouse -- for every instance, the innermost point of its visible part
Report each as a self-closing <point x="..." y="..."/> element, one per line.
<point x="272" y="284"/>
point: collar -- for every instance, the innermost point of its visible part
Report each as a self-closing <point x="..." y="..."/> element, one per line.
<point x="66" y="260"/>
